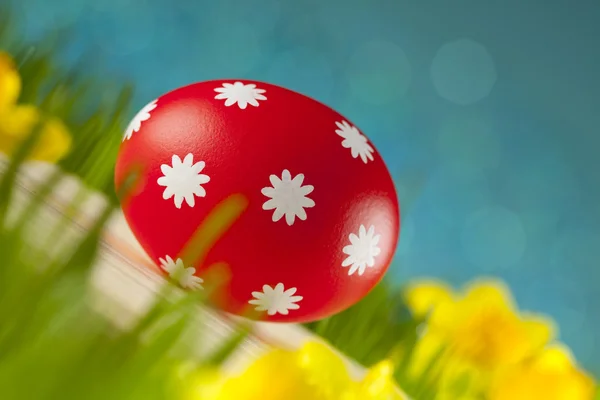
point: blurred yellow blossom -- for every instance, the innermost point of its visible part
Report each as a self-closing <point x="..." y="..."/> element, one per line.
<point x="378" y="384"/>
<point x="470" y="336"/>
<point x="422" y="297"/>
<point x="10" y="81"/>
<point x="18" y="121"/>
<point x="54" y="142"/>
<point x="280" y="374"/>
<point x="313" y="372"/>
<point x="552" y="375"/>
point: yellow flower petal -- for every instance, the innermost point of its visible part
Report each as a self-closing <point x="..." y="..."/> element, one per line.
<point x="551" y="375"/>
<point x="447" y="316"/>
<point x="315" y="354"/>
<point x="379" y="379"/>
<point x="207" y="384"/>
<point x="540" y="330"/>
<point x="422" y="297"/>
<point x="10" y="81"/>
<point x="273" y="376"/>
<point x="323" y="368"/>
<point x="315" y="372"/>
<point x="18" y="121"/>
<point x="488" y="292"/>
<point x="556" y="357"/>
<point x="429" y="348"/>
<point x="479" y="297"/>
<point x="378" y="384"/>
<point x="474" y="336"/>
<point x="484" y="327"/>
<point x="535" y="381"/>
<point x="54" y="142"/>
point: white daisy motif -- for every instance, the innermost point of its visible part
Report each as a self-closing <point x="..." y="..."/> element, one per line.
<point x="362" y="250"/>
<point x="136" y="122"/>
<point x="288" y="197"/>
<point x="179" y="273"/>
<point x="241" y="94"/>
<point x="183" y="180"/>
<point x="275" y="300"/>
<point x="355" y="141"/>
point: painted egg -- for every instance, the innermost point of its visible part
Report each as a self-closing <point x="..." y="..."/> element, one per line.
<point x="282" y="192"/>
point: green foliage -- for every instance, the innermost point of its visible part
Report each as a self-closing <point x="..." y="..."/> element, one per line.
<point x="372" y="329"/>
<point x="95" y="108"/>
<point x="53" y="343"/>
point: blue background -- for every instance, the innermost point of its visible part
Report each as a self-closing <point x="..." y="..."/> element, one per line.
<point x="487" y="113"/>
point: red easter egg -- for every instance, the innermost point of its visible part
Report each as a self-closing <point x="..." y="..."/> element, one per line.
<point x="321" y="218"/>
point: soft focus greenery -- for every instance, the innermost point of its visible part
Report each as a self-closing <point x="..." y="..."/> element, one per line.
<point x="436" y="342"/>
<point x="53" y="343"/>
<point x="93" y="109"/>
<point x="353" y="331"/>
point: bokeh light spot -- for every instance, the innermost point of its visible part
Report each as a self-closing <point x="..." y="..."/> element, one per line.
<point x="463" y="72"/>
<point x="548" y="183"/>
<point x="131" y="30"/>
<point x="304" y="70"/>
<point x="494" y="238"/>
<point x="453" y="192"/>
<point x="378" y="72"/>
<point x="469" y="142"/>
<point x="262" y="16"/>
<point x="48" y="16"/>
<point x="235" y="53"/>
<point x="576" y="253"/>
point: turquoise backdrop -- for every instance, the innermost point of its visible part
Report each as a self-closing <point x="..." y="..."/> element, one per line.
<point x="487" y="112"/>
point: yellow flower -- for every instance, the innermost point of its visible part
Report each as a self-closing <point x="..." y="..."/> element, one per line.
<point x="470" y="336"/>
<point x="10" y="81"/>
<point x="18" y="121"/>
<point x="483" y="326"/>
<point x="313" y="372"/>
<point x="552" y="375"/>
<point x="53" y="143"/>
<point x="423" y="297"/>
<point x="378" y="384"/>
